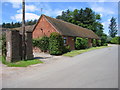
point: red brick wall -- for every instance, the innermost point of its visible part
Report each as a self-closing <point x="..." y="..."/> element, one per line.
<point x="46" y="27"/>
<point x="70" y="42"/>
<point x="89" y="42"/>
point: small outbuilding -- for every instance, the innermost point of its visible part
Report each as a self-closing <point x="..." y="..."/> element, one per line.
<point x="46" y="25"/>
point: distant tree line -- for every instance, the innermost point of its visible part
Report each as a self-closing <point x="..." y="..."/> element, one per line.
<point x="18" y="24"/>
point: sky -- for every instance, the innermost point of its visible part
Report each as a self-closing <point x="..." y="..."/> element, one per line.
<point x="12" y="11"/>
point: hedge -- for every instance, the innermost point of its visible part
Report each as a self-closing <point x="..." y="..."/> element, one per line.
<point x="42" y="43"/>
<point x="115" y="40"/>
<point x="56" y="44"/>
<point x="81" y="43"/>
<point x="3" y="44"/>
<point x="94" y="43"/>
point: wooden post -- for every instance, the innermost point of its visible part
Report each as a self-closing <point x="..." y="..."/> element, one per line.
<point x="23" y="31"/>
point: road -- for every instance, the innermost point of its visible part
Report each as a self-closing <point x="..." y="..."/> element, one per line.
<point x="94" y="69"/>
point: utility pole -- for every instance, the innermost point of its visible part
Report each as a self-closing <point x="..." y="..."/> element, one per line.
<point x="23" y="31"/>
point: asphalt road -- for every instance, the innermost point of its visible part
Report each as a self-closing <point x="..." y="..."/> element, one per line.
<point x="94" y="69"/>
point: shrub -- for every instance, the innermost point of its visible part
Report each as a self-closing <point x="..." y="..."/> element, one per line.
<point x="3" y="44"/>
<point x="81" y="43"/>
<point x="66" y="49"/>
<point x="35" y="42"/>
<point x="42" y="43"/>
<point x="98" y="42"/>
<point x="94" y="43"/>
<point x="56" y="44"/>
<point x="105" y="44"/>
<point x="115" y="40"/>
<point x="103" y="39"/>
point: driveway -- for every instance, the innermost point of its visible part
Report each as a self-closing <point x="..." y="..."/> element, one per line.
<point x="94" y="69"/>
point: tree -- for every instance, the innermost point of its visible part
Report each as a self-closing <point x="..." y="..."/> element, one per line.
<point x="115" y="40"/>
<point x="113" y="27"/>
<point x="86" y="18"/>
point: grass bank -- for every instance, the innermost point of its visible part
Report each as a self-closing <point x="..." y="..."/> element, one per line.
<point x="20" y="63"/>
<point x="77" y="52"/>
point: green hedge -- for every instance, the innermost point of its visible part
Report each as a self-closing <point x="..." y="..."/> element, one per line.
<point x="94" y="43"/>
<point x="81" y="43"/>
<point x="115" y="40"/>
<point x="3" y="44"/>
<point x="56" y="44"/>
<point x="42" y="43"/>
<point x="98" y="42"/>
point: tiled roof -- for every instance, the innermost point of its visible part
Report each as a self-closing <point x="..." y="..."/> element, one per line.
<point x="69" y="29"/>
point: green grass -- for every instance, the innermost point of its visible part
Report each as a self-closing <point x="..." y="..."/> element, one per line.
<point x="20" y="63"/>
<point x="77" y="52"/>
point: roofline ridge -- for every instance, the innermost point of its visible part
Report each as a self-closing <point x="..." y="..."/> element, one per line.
<point x="68" y="23"/>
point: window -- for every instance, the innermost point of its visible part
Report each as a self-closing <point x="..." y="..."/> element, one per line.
<point x="65" y="40"/>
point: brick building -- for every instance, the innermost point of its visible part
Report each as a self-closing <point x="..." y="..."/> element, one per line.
<point x="46" y="25"/>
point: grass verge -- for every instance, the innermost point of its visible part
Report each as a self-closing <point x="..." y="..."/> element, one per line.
<point x="77" y="52"/>
<point x="20" y="63"/>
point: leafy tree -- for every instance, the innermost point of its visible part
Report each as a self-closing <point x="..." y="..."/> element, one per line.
<point x="116" y="40"/>
<point x="103" y="39"/>
<point x="85" y="18"/>
<point x="109" y="39"/>
<point x="113" y="27"/>
<point x="18" y="24"/>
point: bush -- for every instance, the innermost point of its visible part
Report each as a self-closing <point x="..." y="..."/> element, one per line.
<point x="94" y="43"/>
<point x="42" y="43"/>
<point x="98" y="42"/>
<point x="56" y="44"/>
<point x="66" y="49"/>
<point x="103" y="39"/>
<point x="35" y="42"/>
<point x="81" y="43"/>
<point x="115" y="40"/>
<point x="3" y="44"/>
<point x="105" y="44"/>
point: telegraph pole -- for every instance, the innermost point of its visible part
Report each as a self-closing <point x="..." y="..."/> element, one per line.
<point x="23" y="31"/>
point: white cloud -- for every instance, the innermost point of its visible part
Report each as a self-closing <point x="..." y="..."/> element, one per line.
<point x="15" y="3"/>
<point x="101" y="14"/>
<point x="51" y="12"/>
<point x="100" y="8"/>
<point x="28" y="16"/>
<point x="28" y="8"/>
<point x="106" y="23"/>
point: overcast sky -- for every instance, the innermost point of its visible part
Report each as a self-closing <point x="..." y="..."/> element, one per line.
<point x="11" y="11"/>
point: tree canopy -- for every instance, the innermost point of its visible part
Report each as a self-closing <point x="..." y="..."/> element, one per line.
<point x="113" y="27"/>
<point x="86" y="18"/>
<point x="18" y="24"/>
